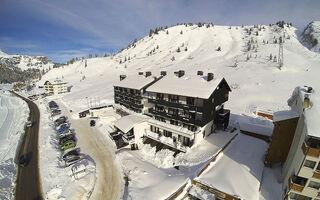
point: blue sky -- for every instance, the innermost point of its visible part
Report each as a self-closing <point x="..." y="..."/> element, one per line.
<point x="62" y="29"/>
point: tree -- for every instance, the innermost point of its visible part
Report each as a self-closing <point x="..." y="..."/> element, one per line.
<point x="173" y="58"/>
<point x="181" y="32"/>
<point x="186" y="49"/>
<point x="151" y="32"/>
<point x="219" y="48"/>
<point x="85" y="64"/>
<point x="96" y="55"/>
<point x="270" y="57"/>
<point x="178" y="50"/>
<point x="167" y="32"/>
<point x="157" y="47"/>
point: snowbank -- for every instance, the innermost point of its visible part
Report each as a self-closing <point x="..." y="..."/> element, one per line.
<point x="13" y="116"/>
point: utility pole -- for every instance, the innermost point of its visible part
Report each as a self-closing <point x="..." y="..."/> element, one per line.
<point x="280" y="56"/>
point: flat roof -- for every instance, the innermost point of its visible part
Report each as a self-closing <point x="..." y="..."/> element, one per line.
<point x="284" y="115"/>
<point x="136" y="82"/>
<point x="128" y="122"/>
<point x="238" y="170"/>
<point x="187" y="85"/>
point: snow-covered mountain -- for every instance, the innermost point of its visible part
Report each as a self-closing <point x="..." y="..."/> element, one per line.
<point x="25" y="62"/>
<point x="311" y="36"/>
<point x="247" y="59"/>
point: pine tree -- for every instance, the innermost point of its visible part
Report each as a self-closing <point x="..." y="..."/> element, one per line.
<point x="151" y="32"/>
<point x="186" y="49"/>
<point x="167" y="32"/>
<point x="178" y="50"/>
<point x="270" y="57"/>
<point x="181" y="32"/>
<point x="219" y="48"/>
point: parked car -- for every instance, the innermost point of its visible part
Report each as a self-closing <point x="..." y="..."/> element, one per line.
<point x="71" y="151"/>
<point x="29" y="124"/>
<point x="67" y="145"/>
<point x="92" y="123"/>
<point x="72" y="159"/>
<point x="55" y="112"/>
<point x="63" y="127"/>
<point x="65" y="133"/>
<point x="60" y="121"/>
<point x="24" y="160"/>
<point x="66" y="138"/>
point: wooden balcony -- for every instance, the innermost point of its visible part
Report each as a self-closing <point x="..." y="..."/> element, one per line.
<point x="307" y="150"/>
<point x="316" y="174"/>
<point x="297" y="183"/>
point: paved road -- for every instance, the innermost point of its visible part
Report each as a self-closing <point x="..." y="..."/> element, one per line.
<point x="28" y="177"/>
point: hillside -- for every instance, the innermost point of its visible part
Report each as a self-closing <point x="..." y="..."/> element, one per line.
<point x="311" y="36"/>
<point x="244" y="60"/>
<point x="22" y="67"/>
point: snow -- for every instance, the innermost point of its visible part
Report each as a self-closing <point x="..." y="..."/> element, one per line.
<point x="57" y="180"/>
<point x="3" y="54"/>
<point x="256" y="82"/>
<point x="13" y="116"/>
<point x="136" y="82"/>
<point x="270" y="187"/>
<point x="200" y="193"/>
<point x="128" y="122"/>
<point x="312" y="113"/>
<point x="190" y="85"/>
<point x="284" y="115"/>
<point x="147" y="181"/>
<point x="238" y="170"/>
<point x="254" y="124"/>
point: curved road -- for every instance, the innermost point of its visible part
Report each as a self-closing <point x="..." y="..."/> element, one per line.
<point x="108" y="178"/>
<point x="28" y="178"/>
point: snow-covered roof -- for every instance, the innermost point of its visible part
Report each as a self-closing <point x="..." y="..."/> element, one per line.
<point x="136" y="82"/>
<point x="55" y="82"/>
<point x="284" y="115"/>
<point x="200" y="193"/>
<point x="238" y="170"/>
<point x="128" y="122"/>
<point x="313" y="112"/>
<point x="256" y="128"/>
<point x="187" y="85"/>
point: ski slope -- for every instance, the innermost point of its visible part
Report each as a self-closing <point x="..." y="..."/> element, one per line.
<point x="257" y="82"/>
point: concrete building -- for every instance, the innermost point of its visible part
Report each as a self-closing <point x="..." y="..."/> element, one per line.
<point x="55" y="87"/>
<point x="301" y="169"/>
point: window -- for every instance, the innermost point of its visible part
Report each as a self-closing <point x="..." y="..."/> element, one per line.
<point x="190" y="100"/>
<point x="314" y="185"/>
<point x="310" y="164"/>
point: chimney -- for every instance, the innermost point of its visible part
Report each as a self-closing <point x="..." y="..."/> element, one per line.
<point x="181" y="73"/>
<point x="148" y="73"/>
<point x="176" y="73"/>
<point x="163" y="73"/>
<point x="140" y="73"/>
<point x="200" y="73"/>
<point x="122" y="77"/>
<point x="209" y="77"/>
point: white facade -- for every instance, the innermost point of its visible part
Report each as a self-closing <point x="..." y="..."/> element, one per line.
<point x="300" y="172"/>
<point x="56" y="87"/>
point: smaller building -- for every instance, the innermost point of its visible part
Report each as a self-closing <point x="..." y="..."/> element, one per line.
<point x="56" y="87"/>
<point x="131" y="128"/>
<point x="96" y="112"/>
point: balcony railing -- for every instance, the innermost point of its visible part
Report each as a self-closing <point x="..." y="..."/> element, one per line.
<point x="307" y="150"/>
<point x="175" y="105"/>
<point x="165" y="140"/>
<point x="176" y="117"/>
<point x="297" y="183"/>
<point x="127" y="138"/>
